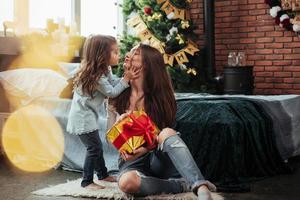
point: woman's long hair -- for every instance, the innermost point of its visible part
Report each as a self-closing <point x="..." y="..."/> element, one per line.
<point x="96" y="57"/>
<point x="159" y="100"/>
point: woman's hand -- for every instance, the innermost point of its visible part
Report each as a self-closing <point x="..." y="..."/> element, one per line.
<point x="123" y="116"/>
<point x="136" y="153"/>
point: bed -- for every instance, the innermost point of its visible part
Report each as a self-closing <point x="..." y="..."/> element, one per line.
<point x="238" y="139"/>
<point x="217" y="129"/>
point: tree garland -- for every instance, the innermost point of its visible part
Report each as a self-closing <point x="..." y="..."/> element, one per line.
<point x="286" y="13"/>
<point x="166" y="25"/>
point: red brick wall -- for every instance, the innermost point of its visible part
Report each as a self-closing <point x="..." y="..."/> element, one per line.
<point x="246" y="25"/>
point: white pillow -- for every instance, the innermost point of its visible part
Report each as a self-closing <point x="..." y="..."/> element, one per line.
<point x="69" y="69"/>
<point x="27" y="84"/>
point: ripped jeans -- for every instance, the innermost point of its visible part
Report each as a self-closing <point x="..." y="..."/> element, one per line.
<point x="168" y="169"/>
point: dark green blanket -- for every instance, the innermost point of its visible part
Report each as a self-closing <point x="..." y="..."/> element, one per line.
<point x="232" y="140"/>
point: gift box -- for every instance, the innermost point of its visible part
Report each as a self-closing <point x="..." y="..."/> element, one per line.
<point x="132" y="132"/>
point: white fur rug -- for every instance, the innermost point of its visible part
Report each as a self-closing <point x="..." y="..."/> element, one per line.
<point x="111" y="191"/>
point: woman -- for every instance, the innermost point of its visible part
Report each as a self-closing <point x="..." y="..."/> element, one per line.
<point x="150" y="172"/>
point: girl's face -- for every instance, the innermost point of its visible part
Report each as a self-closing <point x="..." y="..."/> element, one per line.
<point x="114" y="55"/>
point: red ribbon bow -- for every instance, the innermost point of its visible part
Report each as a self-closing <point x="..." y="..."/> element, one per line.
<point x="140" y="126"/>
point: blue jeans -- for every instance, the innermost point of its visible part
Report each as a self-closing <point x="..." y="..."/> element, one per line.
<point x="94" y="160"/>
<point x="162" y="170"/>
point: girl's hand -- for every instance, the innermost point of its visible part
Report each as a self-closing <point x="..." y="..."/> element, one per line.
<point x="131" y="72"/>
<point x="136" y="153"/>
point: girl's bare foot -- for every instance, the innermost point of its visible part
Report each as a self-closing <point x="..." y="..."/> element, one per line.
<point x="94" y="186"/>
<point x="109" y="179"/>
<point x="203" y="193"/>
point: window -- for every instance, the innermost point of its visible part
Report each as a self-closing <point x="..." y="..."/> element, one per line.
<point x="93" y="16"/>
<point x="6" y="11"/>
<point x="40" y="11"/>
<point x="100" y="17"/>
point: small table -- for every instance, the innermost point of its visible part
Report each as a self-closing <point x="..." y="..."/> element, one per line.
<point x="238" y="80"/>
<point x="9" y="50"/>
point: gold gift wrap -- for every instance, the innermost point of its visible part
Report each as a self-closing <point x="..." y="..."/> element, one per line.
<point x="126" y="143"/>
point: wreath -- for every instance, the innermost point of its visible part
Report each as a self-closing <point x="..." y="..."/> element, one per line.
<point x="286" y="13"/>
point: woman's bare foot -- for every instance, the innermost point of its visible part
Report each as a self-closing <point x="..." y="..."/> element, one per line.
<point x="109" y="179"/>
<point x="203" y="193"/>
<point x="94" y="186"/>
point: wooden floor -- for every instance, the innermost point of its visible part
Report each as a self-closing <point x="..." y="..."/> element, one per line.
<point x="17" y="185"/>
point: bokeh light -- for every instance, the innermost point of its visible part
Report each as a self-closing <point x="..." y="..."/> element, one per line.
<point x="32" y="139"/>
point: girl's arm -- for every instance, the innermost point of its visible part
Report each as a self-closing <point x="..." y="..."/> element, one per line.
<point x="110" y="90"/>
<point x="107" y="89"/>
<point x="112" y="78"/>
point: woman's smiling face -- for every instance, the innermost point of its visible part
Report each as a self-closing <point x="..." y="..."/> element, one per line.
<point x="134" y="58"/>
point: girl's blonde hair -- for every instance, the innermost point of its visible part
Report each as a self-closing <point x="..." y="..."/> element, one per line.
<point x="95" y="62"/>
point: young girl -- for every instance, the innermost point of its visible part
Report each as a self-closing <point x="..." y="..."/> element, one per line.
<point x="92" y="84"/>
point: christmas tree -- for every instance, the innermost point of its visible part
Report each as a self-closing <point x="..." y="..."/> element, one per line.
<point x="166" y="25"/>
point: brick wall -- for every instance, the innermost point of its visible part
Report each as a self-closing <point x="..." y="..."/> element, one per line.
<point x="246" y="25"/>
